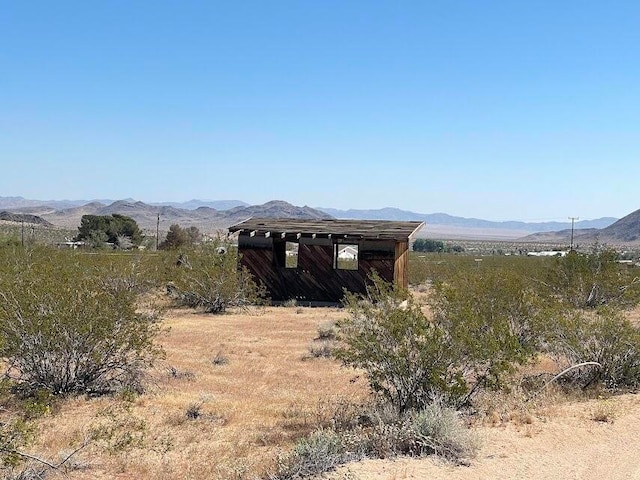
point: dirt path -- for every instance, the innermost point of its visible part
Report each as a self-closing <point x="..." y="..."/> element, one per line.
<point x="566" y="444"/>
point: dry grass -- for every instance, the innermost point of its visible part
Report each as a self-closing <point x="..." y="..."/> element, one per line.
<point x="234" y="390"/>
<point x="634" y="315"/>
<point x="226" y="420"/>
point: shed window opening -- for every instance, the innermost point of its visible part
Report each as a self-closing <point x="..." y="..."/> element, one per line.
<point x="291" y="255"/>
<point x="345" y="257"/>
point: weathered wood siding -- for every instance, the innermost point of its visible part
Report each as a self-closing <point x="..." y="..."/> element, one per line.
<point x="314" y="279"/>
<point x="401" y="270"/>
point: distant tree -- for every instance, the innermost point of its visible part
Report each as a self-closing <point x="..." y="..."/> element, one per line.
<point x="95" y="238"/>
<point x="94" y="228"/>
<point x="428" y="245"/>
<point x="126" y="226"/>
<point x="178" y="237"/>
<point x="194" y="235"/>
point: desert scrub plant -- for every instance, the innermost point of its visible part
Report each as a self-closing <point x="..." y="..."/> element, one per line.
<point x="327" y="330"/>
<point x="378" y="431"/>
<point x="494" y="320"/>
<point x="220" y="359"/>
<point x="63" y="330"/>
<point x="484" y="324"/>
<point x="320" y="452"/>
<point x="404" y="355"/>
<point x="15" y="433"/>
<point x="593" y="279"/>
<point x="213" y="282"/>
<point x="604" y="411"/>
<point x="321" y="349"/>
<point x="605" y="337"/>
<point x="117" y="429"/>
<point x="437" y="429"/>
<point x="325" y="343"/>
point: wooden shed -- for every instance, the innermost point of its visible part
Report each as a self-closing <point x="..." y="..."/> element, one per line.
<point x="300" y="259"/>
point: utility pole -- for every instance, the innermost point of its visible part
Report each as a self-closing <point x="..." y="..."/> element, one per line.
<point x="158" y="232"/>
<point x="22" y="236"/>
<point x="573" y="219"/>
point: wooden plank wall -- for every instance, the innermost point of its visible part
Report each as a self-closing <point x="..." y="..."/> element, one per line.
<point x="314" y="280"/>
<point x="401" y="270"/>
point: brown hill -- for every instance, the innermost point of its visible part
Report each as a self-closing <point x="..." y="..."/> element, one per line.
<point x="277" y="209"/>
<point x="207" y="219"/>
<point x="24" y="217"/>
<point x="625" y="231"/>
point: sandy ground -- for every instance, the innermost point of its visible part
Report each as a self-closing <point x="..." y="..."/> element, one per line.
<point x="566" y="444"/>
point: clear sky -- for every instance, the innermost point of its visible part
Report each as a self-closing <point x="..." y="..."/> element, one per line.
<point x="503" y="110"/>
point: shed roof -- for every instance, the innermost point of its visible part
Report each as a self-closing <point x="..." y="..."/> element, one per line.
<point x="363" y="229"/>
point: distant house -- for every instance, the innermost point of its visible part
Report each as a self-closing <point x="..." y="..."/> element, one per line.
<point x="348" y="253"/>
<point x="70" y="245"/>
<point x="332" y="255"/>
<point x="548" y="253"/>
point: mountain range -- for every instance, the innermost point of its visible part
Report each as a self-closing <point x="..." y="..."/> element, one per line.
<point x="624" y="231"/>
<point x="17" y="203"/>
<point x="215" y="215"/>
<point x="450" y="220"/>
<point x="206" y="218"/>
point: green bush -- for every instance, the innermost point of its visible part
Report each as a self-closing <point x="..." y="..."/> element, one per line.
<point x="209" y="278"/>
<point x="67" y="329"/>
<point x="484" y="324"/>
<point x="494" y="320"/>
<point x="593" y="279"/>
<point x="406" y="357"/>
<point x="606" y="337"/>
<point x="377" y="431"/>
<point x="14" y="434"/>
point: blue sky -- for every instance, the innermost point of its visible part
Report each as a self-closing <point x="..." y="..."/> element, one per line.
<point x="491" y="109"/>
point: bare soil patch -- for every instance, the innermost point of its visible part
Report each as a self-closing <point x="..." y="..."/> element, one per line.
<point x="565" y="443"/>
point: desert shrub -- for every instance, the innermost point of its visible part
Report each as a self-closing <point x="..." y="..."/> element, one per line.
<point x="321" y="348"/>
<point x="213" y="282"/>
<point x="194" y="410"/>
<point x="437" y="429"/>
<point x="494" y="319"/>
<point x="320" y="452"/>
<point x="433" y="430"/>
<point x="220" y="359"/>
<point x="406" y="357"/>
<point x="377" y="430"/>
<point x="606" y="337"/>
<point x="327" y="330"/>
<point x="593" y="279"/>
<point x="14" y="434"/>
<point x="173" y="372"/>
<point x="64" y="330"/>
<point x="484" y="324"/>
<point x="118" y="429"/>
